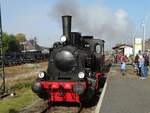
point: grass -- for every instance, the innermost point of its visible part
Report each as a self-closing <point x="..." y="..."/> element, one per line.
<point x="24" y="95"/>
<point x="21" y="85"/>
<point x="25" y="68"/>
<point x="14" y="104"/>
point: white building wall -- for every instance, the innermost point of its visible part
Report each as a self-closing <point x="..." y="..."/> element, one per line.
<point x="137" y="46"/>
<point x="128" y="51"/>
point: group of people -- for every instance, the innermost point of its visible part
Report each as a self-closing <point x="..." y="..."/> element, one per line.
<point x="141" y="64"/>
<point x="121" y="59"/>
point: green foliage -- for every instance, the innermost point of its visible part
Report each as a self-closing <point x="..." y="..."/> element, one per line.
<point x="11" y="43"/>
<point x="20" y="37"/>
<point x="21" y="85"/>
<point x="24" y="96"/>
<point x="16" y="103"/>
<point x="5" y="39"/>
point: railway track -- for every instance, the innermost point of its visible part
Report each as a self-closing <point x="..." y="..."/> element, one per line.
<point x="40" y="106"/>
<point x="44" y="108"/>
<point x="71" y="110"/>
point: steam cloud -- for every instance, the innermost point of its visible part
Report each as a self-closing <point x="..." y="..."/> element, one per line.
<point x="95" y="19"/>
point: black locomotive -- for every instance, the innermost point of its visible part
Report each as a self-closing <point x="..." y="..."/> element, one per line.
<point x="75" y="68"/>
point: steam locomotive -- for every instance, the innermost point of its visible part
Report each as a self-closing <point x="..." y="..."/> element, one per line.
<point x="76" y="66"/>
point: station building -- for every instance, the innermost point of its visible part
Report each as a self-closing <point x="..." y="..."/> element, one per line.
<point x="147" y="45"/>
<point x="32" y="46"/>
<point x="125" y="49"/>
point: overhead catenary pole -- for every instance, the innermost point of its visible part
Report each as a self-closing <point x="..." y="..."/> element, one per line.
<point x="2" y="87"/>
<point x="133" y="41"/>
<point x="134" y="36"/>
<point x="144" y="35"/>
<point x="35" y="41"/>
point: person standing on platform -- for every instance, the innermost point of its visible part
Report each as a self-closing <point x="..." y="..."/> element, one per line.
<point x="123" y="64"/>
<point x="139" y="56"/>
<point x="141" y="67"/>
<point x="136" y="64"/>
<point x="146" y="64"/>
<point x="123" y="67"/>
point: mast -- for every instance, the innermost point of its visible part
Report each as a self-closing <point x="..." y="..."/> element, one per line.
<point x="2" y="74"/>
<point x="144" y="35"/>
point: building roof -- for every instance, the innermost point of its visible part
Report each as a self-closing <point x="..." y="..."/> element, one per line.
<point x="121" y="46"/>
<point x="33" y="46"/>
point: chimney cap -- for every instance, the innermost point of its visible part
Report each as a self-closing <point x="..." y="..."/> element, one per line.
<point x="66" y="16"/>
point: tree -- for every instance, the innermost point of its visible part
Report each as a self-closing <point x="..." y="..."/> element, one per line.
<point x="5" y="39"/>
<point x="20" y="37"/>
<point x="10" y="44"/>
<point x="13" y="44"/>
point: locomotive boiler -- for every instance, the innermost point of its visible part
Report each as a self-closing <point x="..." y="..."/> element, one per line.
<point x="75" y="68"/>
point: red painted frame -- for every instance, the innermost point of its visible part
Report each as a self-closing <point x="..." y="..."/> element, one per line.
<point x="52" y="88"/>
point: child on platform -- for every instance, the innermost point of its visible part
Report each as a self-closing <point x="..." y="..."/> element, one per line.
<point x="123" y="67"/>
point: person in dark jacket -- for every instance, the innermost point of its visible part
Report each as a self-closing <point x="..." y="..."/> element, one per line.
<point x="136" y="64"/>
<point x="146" y="64"/>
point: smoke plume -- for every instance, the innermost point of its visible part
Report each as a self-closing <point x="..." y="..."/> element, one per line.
<point x="95" y="19"/>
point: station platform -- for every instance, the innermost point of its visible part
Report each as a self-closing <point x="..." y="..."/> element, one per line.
<point x="126" y="94"/>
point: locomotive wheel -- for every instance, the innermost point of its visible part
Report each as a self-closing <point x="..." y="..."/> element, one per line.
<point x="87" y="97"/>
<point x="101" y="82"/>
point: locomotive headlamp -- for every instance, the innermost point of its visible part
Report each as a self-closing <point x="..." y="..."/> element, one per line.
<point x="81" y="75"/>
<point x="63" y="38"/>
<point x="41" y="75"/>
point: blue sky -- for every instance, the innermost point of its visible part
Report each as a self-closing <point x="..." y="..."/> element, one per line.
<point x="136" y="9"/>
<point x="31" y="17"/>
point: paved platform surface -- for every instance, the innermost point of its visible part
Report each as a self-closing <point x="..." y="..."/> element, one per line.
<point x="126" y="94"/>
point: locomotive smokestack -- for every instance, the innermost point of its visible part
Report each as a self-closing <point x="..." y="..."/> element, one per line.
<point x="66" y="23"/>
